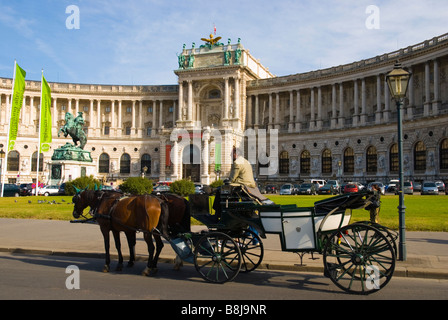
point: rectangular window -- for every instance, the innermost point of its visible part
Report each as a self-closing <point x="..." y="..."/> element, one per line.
<point x="106" y="130"/>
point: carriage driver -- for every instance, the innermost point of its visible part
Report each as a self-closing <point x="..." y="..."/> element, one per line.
<point x="241" y="174"/>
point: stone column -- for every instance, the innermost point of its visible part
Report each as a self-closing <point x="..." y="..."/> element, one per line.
<point x="319" y="109"/>
<point x="291" y="112"/>
<point x="55" y="111"/>
<point x="190" y="101"/>
<point x="341" y="119"/>
<point x="161" y="114"/>
<point x="98" y="119"/>
<point x="298" y="112"/>
<point x="277" y="111"/>
<point x="313" y="116"/>
<point x="119" y="128"/>
<point x="355" y="116"/>
<point x="411" y="106"/>
<point x="386" y="113"/>
<point x="140" y="119"/>
<point x="378" y="100"/>
<point x="113" y="128"/>
<point x="226" y="99"/>
<point x="427" y="103"/>
<point x="333" y="107"/>
<point x="133" y="118"/>
<point x="181" y="101"/>
<point x="257" y="111"/>
<point x="363" y="102"/>
<point x="270" y="125"/>
<point x="436" y="101"/>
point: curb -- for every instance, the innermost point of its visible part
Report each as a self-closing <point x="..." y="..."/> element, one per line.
<point x="402" y="272"/>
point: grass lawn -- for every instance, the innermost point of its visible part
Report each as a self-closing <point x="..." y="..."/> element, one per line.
<point x="423" y="213"/>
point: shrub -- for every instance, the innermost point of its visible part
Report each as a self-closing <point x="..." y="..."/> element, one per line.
<point x="182" y="187"/>
<point x="136" y="186"/>
<point x="81" y="183"/>
<point x="216" y="183"/>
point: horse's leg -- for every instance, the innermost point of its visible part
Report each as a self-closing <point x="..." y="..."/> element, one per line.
<point x="118" y="247"/>
<point x="178" y="263"/>
<point x="131" y="236"/>
<point x="105" y="232"/>
<point x="159" y="246"/>
<point x="148" y="270"/>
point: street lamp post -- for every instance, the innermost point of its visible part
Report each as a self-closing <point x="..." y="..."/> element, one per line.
<point x="398" y="80"/>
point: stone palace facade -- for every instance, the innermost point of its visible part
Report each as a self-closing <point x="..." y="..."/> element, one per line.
<point x="335" y="123"/>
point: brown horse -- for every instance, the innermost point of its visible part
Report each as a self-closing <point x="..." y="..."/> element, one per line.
<point x="129" y="214"/>
<point x="103" y="205"/>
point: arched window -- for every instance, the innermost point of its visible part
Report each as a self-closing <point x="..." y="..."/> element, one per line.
<point x="349" y="161"/>
<point x="284" y="162"/>
<point x="443" y="154"/>
<point x="326" y="161"/>
<point x="420" y="156"/>
<point x="34" y="162"/>
<point x="372" y="160"/>
<point x="125" y="163"/>
<point x="146" y="162"/>
<point x="104" y="162"/>
<point x="13" y="161"/>
<point x="393" y="158"/>
<point x="305" y="162"/>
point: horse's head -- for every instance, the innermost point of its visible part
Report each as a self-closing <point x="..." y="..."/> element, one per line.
<point x="80" y="201"/>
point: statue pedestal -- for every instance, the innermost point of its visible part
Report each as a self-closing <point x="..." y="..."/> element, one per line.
<point x="67" y="170"/>
<point x="70" y="162"/>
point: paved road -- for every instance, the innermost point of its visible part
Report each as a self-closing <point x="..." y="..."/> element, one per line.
<point x="26" y="277"/>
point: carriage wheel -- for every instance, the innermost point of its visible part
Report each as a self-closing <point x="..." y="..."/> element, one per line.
<point x="359" y="259"/>
<point x="217" y="257"/>
<point x="252" y="250"/>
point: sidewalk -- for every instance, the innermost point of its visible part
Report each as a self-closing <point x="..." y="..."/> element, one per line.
<point x="427" y="252"/>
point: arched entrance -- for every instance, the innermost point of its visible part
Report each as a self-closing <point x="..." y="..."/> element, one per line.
<point x="191" y="163"/>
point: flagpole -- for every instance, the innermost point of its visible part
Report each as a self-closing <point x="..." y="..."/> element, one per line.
<point x="40" y="127"/>
<point x="5" y="163"/>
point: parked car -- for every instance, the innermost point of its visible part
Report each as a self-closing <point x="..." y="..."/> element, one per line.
<point x="440" y="185"/>
<point x="429" y="188"/>
<point x="61" y="190"/>
<point x="51" y="190"/>
<point x="26" y="189"/>
<point x="11" y="190"/>
<point x="270" y="188"/>
<point x="287" y="189"/>
<point x="307" y="188"/>
<point x="198" y="188"/>
<point x="160" y="189"/>
<point x="417" y="186"/>
<point x="351" y="187"/>
<point x="392" y="186"/>
<point x="328" y="189"/>
<point x="319" y="182"/>
<point x="336" y="184"/>
<point x="380" y="185"/>
<point x="408" y="187"/>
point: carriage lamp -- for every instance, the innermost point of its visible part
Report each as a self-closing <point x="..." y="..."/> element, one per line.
<point x="398" y="81"/>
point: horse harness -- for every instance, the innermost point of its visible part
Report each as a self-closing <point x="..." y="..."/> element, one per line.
<point x="109" y="216"/>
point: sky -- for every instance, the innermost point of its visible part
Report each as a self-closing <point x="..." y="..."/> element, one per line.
<point x="136" y="42"/>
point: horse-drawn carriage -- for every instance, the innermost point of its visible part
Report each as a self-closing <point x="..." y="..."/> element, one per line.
<point x="358" y="257"/>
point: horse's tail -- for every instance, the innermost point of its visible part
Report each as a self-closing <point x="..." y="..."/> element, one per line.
<point x="164" y="216"/>
<point x="186" y="218"/>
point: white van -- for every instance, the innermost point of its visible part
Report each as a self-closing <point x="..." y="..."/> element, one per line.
<point x="320" y="183"/>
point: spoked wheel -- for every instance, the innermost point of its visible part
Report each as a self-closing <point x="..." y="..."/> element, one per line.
<point x="251" y="250"/>
<point x="359" y="259"/>
<point x="217" y="257"/>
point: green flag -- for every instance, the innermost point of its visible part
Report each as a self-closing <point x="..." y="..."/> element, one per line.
<point x="217" y="157"/>
<point x="16" y="105"/>
<point x="45" y="118"/>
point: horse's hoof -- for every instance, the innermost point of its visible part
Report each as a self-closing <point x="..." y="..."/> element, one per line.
<point x="106" y="268"/>
<point x="149" y="272"/>
<point x="130" y="264"/>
